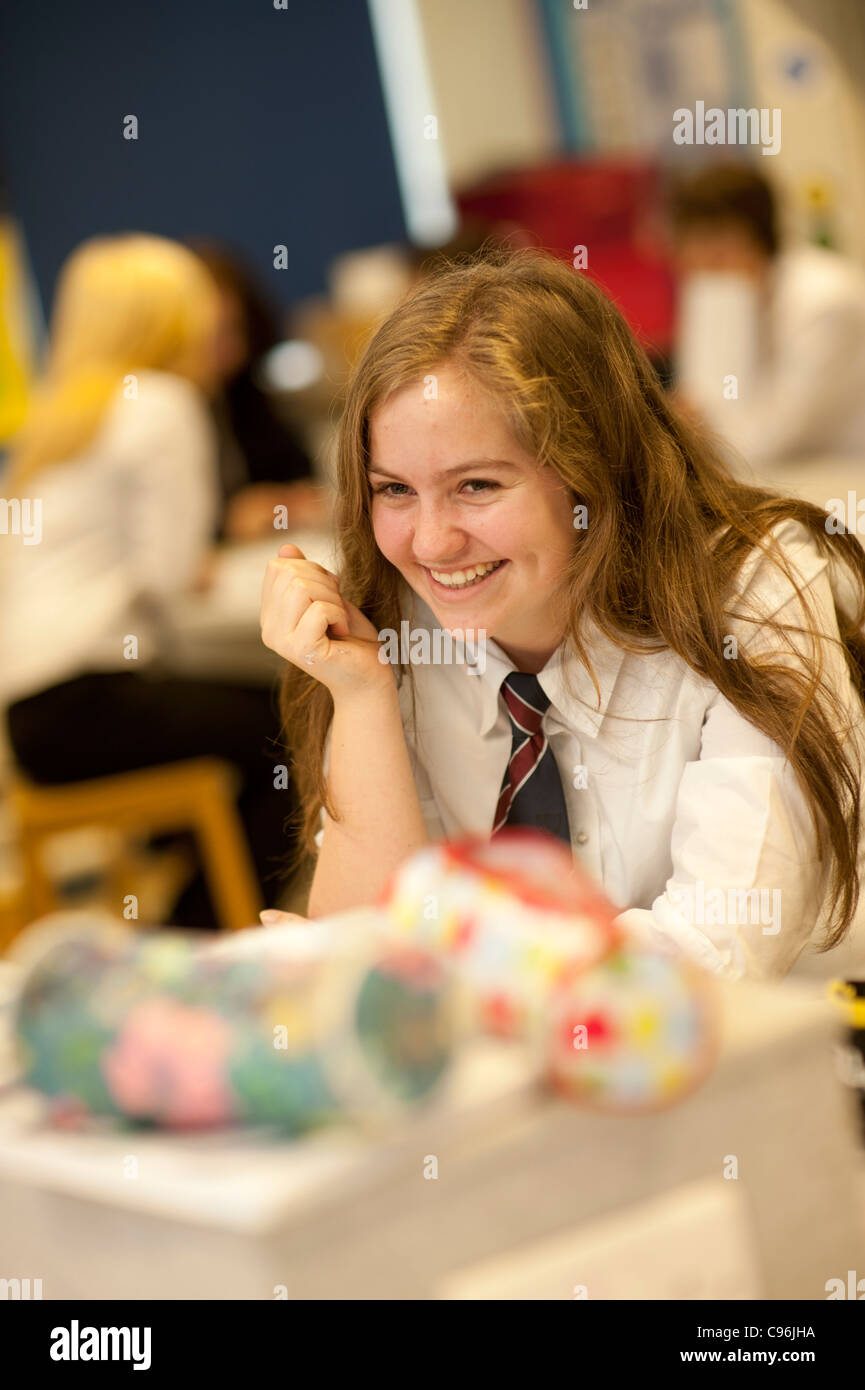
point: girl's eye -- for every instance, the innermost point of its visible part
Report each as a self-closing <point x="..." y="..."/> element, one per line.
<point x="385" y="489"/>
<point x="483" y="483"/>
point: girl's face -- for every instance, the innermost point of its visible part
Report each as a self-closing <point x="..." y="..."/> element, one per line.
<point x="473" y="523"/>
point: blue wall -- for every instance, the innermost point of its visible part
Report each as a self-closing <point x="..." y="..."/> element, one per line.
<point x="256" y="126"/>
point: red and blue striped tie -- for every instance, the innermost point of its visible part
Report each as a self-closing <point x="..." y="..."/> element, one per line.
<point x="532" y="792"/>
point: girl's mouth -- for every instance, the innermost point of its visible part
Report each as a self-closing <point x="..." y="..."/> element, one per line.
<point x="459" y="581"/>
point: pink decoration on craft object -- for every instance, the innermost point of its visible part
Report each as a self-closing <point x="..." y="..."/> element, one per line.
<point x="169" y="1063"/>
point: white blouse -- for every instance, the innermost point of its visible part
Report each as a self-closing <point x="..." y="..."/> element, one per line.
<point x="675" y="801"/>
<point x="805" y="395"/>
<point x="124" y="527"/>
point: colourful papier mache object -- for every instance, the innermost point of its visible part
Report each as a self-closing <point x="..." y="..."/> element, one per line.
<point x="154" y="1028"/>
<point x="618" y="1028"/>
<point x="357" y="1017"/>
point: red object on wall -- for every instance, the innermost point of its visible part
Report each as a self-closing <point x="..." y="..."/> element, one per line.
<point x="611" y="208"/>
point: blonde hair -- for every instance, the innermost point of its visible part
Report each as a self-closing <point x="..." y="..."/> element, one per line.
<point x="124" y="304"/>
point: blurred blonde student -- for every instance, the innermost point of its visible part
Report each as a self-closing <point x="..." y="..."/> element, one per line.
<point x="119" y="451"/>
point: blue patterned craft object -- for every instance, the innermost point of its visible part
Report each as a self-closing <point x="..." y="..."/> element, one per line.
<point x="151" y="1027"/>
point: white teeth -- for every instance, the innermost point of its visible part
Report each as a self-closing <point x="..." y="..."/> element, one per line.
<point x="458" y="579"/>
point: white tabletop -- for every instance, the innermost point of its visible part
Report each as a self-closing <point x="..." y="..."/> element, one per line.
<point x="532" y="1196"/>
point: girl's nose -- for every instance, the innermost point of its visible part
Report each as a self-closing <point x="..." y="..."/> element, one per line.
<point x="437" y="536"/>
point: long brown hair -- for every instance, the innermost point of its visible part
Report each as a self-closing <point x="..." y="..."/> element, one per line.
<point x="669" y="527"/>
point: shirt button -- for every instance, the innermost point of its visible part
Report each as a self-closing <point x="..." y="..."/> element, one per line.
<point x="581" y="837"/>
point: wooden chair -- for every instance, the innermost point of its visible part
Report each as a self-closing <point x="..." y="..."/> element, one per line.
<point x="196" y="795"/>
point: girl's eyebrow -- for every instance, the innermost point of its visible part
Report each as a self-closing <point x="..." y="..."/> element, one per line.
<point x="457" y="468"/>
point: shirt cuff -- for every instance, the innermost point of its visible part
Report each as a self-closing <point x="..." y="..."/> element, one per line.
<point x="660" y="930"/>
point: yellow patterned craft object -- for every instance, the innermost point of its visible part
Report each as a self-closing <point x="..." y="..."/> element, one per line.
<point x="537" y="945"/>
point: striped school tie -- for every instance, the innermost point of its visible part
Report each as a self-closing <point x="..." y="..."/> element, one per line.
<point x="532" y="792"/>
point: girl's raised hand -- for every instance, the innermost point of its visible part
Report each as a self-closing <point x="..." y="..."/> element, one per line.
<point x="306" y="620"/>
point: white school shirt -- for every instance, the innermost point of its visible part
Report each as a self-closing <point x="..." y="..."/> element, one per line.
<point x="806" y="397"/>
<point x="698" y="797"/>
<point x="125" y="526"/>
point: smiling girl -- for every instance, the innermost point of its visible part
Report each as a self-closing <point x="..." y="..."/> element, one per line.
<point x="673" y="662"/>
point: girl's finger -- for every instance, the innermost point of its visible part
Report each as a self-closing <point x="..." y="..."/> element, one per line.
<point x="282" y="575"/>
<point x="338" y="623"/>
<point x="310" y="640"/>
<point x="316" y="587"/>
<point x="273" y="918"/>
<point x="286" y="598"/>
<point x="292" y="552"/>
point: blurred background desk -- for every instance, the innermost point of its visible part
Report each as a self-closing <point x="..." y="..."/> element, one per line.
<point x="817" y="480"/>
<point x="532" y="1199"/>
<point x="216" y="633"/>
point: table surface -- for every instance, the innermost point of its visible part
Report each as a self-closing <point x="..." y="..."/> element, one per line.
<point x="533" y="1194"/>
<point x="248" y="1180"/>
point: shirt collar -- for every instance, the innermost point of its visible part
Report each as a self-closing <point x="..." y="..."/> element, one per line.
<point x="564" y="680"/>
<point x="569" y="685"/>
